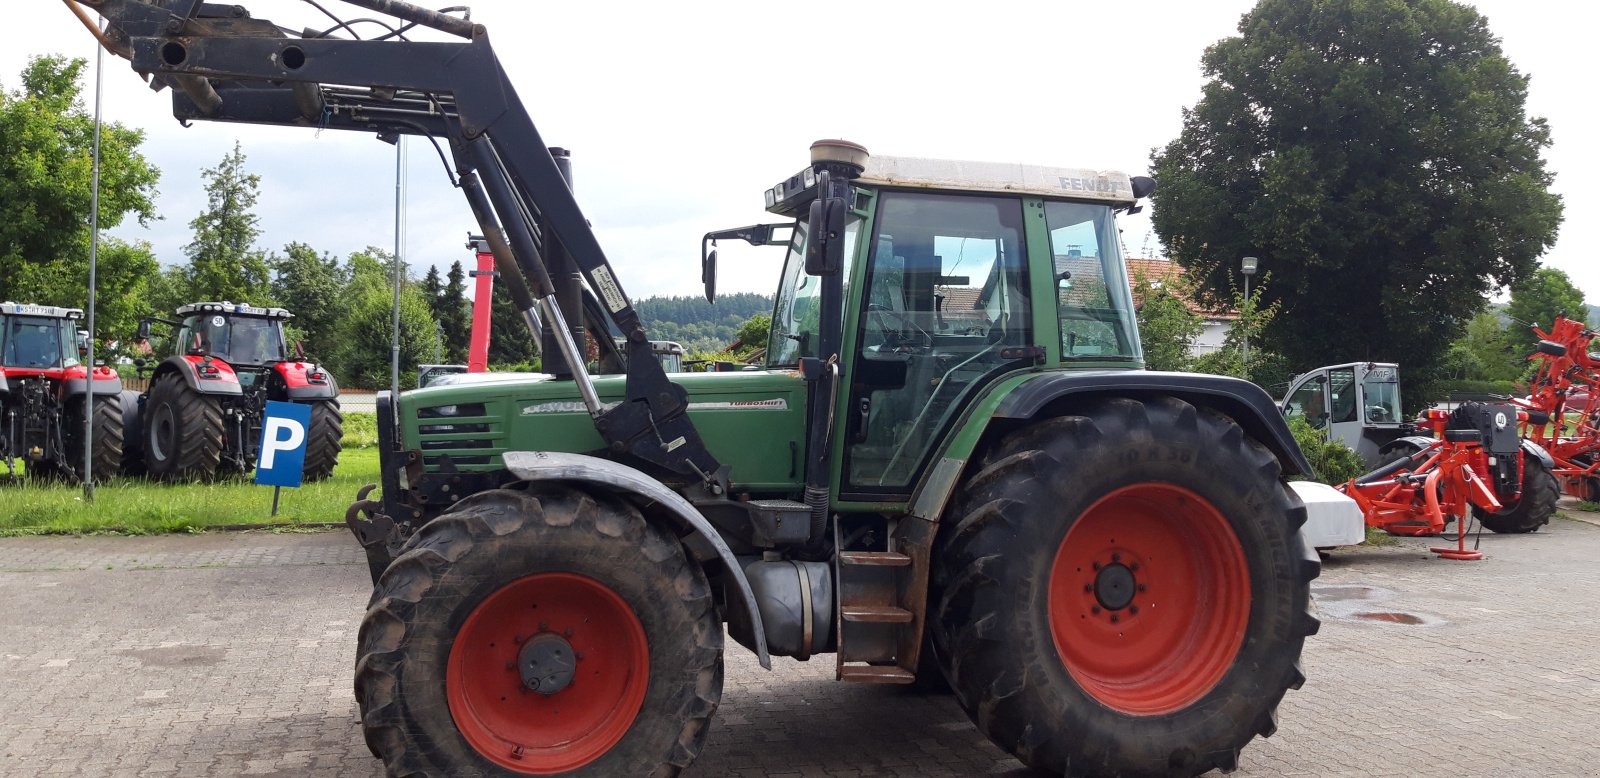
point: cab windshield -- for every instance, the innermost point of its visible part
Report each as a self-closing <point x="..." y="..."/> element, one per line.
<point x="39" y="342"/>
<point x="797" y="315"/>
<point x="1381" y="386"/>
<point x="237" y="340"/>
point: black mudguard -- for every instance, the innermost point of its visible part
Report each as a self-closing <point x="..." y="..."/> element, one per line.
<point x="1244" y="402"/>
<point x="185" y="368"/>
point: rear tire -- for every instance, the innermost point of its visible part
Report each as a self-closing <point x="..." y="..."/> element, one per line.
<point x="323" y="440"/>
<point x="1113" y="512"/>
<point x="435" y="675"/>
<point x="132" y="434"/>
<point x="1540" y="491"/>
<point x="183" y="431"/>
<point x="107" y="442"/>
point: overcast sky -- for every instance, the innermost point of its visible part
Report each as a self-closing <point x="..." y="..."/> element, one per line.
<point x="679" y="115"/>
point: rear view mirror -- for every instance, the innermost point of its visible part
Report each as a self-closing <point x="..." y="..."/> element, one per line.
<point x="825" y="248"/>
<point x="708" y="275"/>
<point x="144" y="329"/>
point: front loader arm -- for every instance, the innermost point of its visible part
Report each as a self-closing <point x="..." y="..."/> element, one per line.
<point x="226" y="66"/>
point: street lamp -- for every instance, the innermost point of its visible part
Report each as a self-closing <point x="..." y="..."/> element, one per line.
<point x="1248" y="267"/>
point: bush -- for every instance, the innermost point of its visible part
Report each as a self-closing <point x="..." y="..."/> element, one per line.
<point x="1332" y="461"/>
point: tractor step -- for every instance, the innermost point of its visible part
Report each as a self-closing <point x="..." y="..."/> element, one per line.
<point x="876" y="614"/>
<point x="874" y="558"/>
<point x="875" y="674"/>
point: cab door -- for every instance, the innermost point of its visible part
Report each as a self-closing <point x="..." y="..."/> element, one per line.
<point x="1309" y="399"/>
<point x="1344" y="407"/>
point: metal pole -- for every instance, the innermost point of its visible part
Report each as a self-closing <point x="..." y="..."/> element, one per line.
<point x="1246" y="366"/>
<point x="94" y="250"/>
<point x="275" y="491"/>
<point x="399" y="225"/>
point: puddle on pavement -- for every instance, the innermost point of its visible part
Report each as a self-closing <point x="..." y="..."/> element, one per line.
<point x="177" y="656"/>
<point x="1390" y="617"/>
<point x="1345" y="593"/>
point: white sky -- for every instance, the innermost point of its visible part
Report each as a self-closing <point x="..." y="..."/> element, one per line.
<point x="680" y="115"/>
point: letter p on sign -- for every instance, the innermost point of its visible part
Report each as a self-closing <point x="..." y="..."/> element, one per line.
<point x="282" y="457"/>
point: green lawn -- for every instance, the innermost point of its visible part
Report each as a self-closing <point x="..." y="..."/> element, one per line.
<point x="141" y="506"/>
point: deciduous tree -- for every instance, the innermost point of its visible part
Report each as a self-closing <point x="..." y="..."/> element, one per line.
<point x="1378" y="158"/>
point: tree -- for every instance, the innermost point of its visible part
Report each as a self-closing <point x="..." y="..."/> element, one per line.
<point x="1167" y="328"/>
<point x="223" y="261"/>
<point x="432" y="287"/>
<point x="311" y="286"/>
<point x="455" y="314"/>
<point x="1377" y="157"/>
<point x="46" y="172"/>
<point x="753" y="333"/>
<point x="510" y="342"/>
<point x="362" y="355"/>
<point x="1535" y="301"/>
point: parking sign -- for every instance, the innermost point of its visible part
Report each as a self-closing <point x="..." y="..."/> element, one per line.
<point x="282" y="454"/>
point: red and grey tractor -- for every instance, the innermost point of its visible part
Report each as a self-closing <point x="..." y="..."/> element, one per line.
<point x="201" y="417"/>
<point x="44" y="389"/>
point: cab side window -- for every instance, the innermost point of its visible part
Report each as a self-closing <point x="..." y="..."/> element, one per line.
<point x="1308" y="402"/>
<point x="1342" y="394"/>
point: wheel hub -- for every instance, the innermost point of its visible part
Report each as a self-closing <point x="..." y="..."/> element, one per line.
<point x="547" y="663"/>
<point x="1114" y="586"/>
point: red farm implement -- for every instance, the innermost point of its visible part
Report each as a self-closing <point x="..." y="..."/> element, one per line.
<point x="1476" y="466"/>
<point x="1563" y="415"/>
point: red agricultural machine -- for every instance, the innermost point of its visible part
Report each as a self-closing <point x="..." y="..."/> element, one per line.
<point x="1475" y="463"/>
<point x="44" y="389"/>
<point x="201" y="417"/>
<point x="1563" y="415"/>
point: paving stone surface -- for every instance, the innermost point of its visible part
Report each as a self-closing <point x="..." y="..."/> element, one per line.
<point x="231" y="654"/>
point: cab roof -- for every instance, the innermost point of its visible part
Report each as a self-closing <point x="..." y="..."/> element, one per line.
<point x="244" y="309"/>
<point x="1008" y="177"/>
<point x="9" y="308"/>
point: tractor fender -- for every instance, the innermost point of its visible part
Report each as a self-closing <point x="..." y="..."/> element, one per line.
<point x="298" y="382"/>
<point x="1244" y="402"/>
<point x="1419" y="441"/>
<point x="188" y="365"/>
<point x="654" y="499"/>
<point x="105" y="382"/>
<point x="1532" y="449"/>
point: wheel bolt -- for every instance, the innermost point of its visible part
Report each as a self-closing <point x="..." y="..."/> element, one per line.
<point x="1114" y="618"/>
<point x="567" y="632"/>
<point x="1133" y="609"/>
<point x="1116" y="557"/>
<point x="1141" y="587"/>
<point x="1096" y="565"/>
<point x="1134" y="566"/>
<point x="1088" y="588"/>
<point x="1095" y="610"/>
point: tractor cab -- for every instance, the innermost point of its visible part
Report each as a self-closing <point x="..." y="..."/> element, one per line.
<point x="242" y="335"/>
<point x="1356" y="403"/>
<point x="38" y="339"/>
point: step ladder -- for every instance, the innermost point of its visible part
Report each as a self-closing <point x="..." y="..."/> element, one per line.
<point x="879" y="626"/>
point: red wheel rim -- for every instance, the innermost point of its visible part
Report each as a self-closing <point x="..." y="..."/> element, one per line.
<point x="528" y="732"/>
<point x="1149" y="598"/>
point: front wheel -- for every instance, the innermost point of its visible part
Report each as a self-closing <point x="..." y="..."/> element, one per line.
<point x="323" y="440"/>
<point x="547" y="632"/>
<point x="1124" y="591"/>
<point x="182" y="431"/>
<point x="1531" y="510"/>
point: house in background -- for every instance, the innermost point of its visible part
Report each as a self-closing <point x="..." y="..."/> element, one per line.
<point x="1160" y="273"/>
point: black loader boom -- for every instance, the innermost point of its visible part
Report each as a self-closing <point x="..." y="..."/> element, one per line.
<point x="224" y="65"/>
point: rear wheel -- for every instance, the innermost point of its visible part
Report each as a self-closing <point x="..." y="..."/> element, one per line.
<point x="539" y="633"/>
<point x="323" y="439"/>
<point x="182" y="431"/>
<point x="1533" y="509"/>
<point x="132" y="434"/>
<point x="107" y="441"/>
<point x="1125" y="591"/>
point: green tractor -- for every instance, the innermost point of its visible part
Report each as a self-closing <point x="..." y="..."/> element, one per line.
<point x="950" y="467"/>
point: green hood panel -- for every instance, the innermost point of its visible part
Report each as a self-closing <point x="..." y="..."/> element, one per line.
<point x="751" y="420"/>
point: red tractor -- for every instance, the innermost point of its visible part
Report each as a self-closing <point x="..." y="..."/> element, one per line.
<point x="201" y="417"/>
<point x="44" y="390"/>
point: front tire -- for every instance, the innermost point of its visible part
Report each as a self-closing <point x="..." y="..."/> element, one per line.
<point x="1124" y="591"/>
<point x="1540" y="491"/>
<point x="182" y="431"/>
<point x="323" y="440"/>
<point x="441" y="650"/>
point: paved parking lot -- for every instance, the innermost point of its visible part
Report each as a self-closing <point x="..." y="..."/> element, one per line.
<point x="231" y="655"/>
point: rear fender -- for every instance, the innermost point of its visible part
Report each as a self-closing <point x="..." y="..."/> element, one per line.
<point x="306" y="380"/>
<point x="1532" y="449"/>
<point x="658" y="504"/>
<point x="188" y="365"/>
<point x="1419" y="442"/>
<point x="105" y="381"/>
